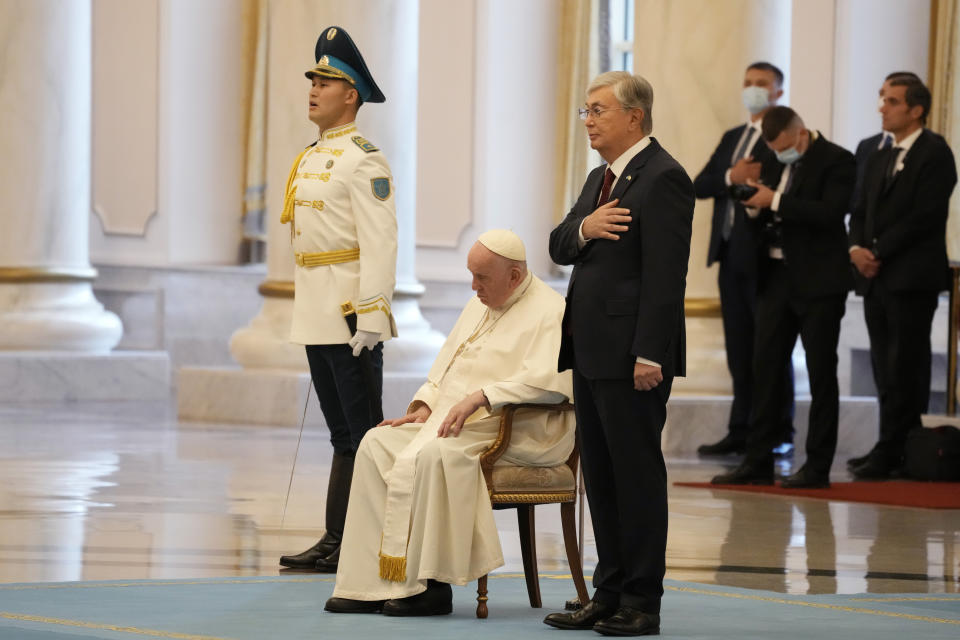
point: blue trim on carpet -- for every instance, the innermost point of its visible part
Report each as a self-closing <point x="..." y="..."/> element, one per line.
<point x="292" y="608"/>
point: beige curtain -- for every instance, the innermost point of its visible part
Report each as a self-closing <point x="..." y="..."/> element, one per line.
<point x="255" y="76"/>
<point x="945" y="112"/>
<point x="576" y="63"/>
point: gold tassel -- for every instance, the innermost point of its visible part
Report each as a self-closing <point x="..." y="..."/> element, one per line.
<point x="288" y="206"/>
<point x="393" y="568"/>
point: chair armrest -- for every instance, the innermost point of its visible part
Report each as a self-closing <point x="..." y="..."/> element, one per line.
<point x="499" y="446"/>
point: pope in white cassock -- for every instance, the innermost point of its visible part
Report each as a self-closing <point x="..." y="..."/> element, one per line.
<point x="419" y="516"/>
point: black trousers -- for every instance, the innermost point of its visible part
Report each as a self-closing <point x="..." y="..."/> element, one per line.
<point x="738" y="295"/>
<point x="899" y="325"/>
<point x="618" y="429"/>
<point x="342" y="391"/>
<point x="781" y="317"/>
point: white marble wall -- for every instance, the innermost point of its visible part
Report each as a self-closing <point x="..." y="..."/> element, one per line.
<point x="487" y="109"/>
<point x="170" y="125"/>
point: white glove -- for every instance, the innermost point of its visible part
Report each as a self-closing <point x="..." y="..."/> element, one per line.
<point x="363" y="339"/>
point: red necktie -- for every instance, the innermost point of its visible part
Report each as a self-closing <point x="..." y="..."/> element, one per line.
<point x="608" y="179"/>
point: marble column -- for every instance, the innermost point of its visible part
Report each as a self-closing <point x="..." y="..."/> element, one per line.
<point x="694" y="54"/>
<point x="386" y="33"/>
<point x="46" y="300"/>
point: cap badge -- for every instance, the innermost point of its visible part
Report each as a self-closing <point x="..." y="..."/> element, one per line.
<point x="323" y="60"/>
<point x="329" y="164"/>
<point x="331" y="33"/>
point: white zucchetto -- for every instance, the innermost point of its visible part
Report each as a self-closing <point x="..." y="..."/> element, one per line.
<point x="504" y="242"/>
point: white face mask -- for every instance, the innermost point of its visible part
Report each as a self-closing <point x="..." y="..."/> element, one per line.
<point x="755" y="99"/>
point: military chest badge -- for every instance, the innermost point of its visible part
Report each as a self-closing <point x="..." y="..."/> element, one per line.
<point x="380" y="188"/>
<point x="329" y="164"/>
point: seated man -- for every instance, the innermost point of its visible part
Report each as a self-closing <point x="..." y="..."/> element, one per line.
<point x="419" y="516"/>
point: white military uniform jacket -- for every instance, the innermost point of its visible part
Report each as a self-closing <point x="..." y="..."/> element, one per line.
<point x="343" y="228"/>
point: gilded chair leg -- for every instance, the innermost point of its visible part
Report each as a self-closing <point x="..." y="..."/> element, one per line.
<point x="528" y="550"/>
<point x="482" y="597"/>
<point x="567" y="519"/>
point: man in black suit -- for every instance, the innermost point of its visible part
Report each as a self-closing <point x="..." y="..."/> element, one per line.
<point x="898" y="246"/>
<point x="866" y="148"/>
<point x="734" y="243"/>
<point x="876" y="142"/>
<point x="804" y="279"/>
<point x="628" y="237"/>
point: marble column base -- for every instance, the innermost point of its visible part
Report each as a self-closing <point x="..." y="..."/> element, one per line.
<point x="63" y="376"/>
<point x="417" y="345"/>
<point x="56" y="317"/>
<point x="693" y="420"/>
<point x="264" y="343"/>
<point x="269" y="396"/>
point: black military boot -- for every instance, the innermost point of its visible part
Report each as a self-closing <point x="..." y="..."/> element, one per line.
<point x="338" y="494"/>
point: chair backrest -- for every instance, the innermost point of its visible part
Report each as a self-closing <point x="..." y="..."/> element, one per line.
<point x="500" y="444"/>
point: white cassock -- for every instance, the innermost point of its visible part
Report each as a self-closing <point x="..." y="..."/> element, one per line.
<point x="419" y="506"/>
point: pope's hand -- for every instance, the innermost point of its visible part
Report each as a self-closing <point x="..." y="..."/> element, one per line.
<point x="363" y="340"/>
<point x="420" y="413"/>
<point x="606" y="222"/>
<point x="453" y="423"/>
<point x="646" y="376"/>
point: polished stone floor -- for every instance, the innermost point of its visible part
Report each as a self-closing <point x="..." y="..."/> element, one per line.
<point x="117" y="491"/>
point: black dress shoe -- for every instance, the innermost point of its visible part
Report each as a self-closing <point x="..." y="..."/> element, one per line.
<point x="856" y="462"/>
<point x="437" y="600"/>
<point x="629" y="622"/>
<point x="874" y="468"/>
<point x="346" y="605"/>
<point x="729" y="445"/>
<point x="330" y="563"/>
<point x="583" y="618"/>
<point x="806" y="479"/>
<point x="746" y="473"/>
<point x="308" y="559"/>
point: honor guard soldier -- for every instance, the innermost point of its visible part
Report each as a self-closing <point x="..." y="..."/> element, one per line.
<point x="343" y="227"/>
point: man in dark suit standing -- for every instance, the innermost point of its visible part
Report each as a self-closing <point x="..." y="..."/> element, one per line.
<point x="898" y="246"/>
<point x="804" y="279"/>
<point x="741" y="156"/>
<point x="628" y="237"/>
<point x="876" y="142"/>
<point x="866" y="148"/>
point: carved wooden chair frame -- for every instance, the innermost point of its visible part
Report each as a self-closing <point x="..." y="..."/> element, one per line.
<point x="524" y="502"/>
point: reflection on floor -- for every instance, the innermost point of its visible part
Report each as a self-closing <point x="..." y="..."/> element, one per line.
<point x="123" y="492"/>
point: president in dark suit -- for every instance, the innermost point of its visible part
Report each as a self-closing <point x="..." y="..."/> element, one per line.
<point x="898" y="246"/>
<point x="628" y="237"/>
<point x="735" y="244"/>
<point x="804" y="280"/>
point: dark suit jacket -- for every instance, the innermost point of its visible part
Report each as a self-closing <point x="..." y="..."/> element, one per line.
<point x="909" y="217"/>
<point x="710" y="184"/>
<point x="811" y="214"/>
<point x="625" y="297"/>
<point x="865" y="149"/>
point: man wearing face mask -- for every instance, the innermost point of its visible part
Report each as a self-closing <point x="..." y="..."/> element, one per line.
<point x="803" y="285"/>
<point x="740" y="157"/>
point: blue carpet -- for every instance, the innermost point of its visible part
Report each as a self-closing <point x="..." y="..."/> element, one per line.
<point x="292" y="608"/>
